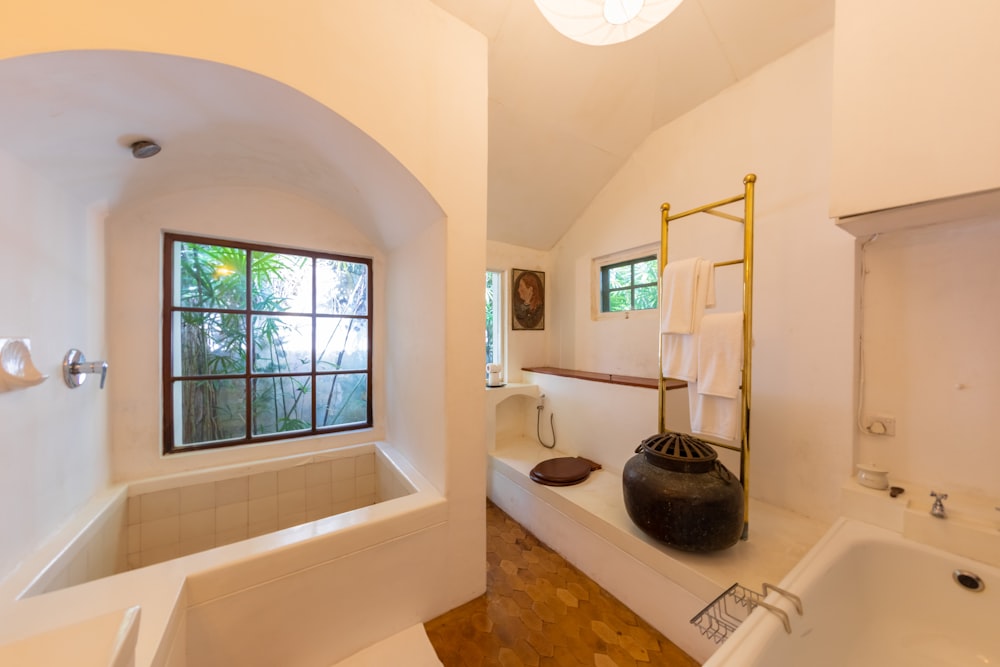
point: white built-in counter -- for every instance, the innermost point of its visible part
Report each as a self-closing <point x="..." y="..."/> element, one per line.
<point x="587" y="523"/>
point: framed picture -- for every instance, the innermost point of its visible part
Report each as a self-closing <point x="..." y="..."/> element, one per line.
<point x="527" y="299"/>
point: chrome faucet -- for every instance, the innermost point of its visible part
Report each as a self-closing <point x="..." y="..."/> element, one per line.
<point x="937" y="509"/>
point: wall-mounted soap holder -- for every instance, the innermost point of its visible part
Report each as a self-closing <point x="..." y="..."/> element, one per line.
<point x="17" y="371"/>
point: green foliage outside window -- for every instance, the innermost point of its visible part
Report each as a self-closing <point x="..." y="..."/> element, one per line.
<point x="629" y="285"/>
<point x="264" y="344"/>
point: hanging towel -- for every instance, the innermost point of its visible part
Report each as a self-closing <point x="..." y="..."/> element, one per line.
<point x="720" y="355"/>
<point x="686" y="288"/>
<point x="680" y="356"/>
<point x="680" y="350"/>
<point x="714" y="416"/>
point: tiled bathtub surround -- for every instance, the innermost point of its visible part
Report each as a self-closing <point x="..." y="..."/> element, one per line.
<point x="180" y="521"/>
<point x="167" y="518"/>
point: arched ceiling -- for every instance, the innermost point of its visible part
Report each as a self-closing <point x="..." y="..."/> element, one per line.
<point x="71" y="116"/>
<point x="563" y="117"/>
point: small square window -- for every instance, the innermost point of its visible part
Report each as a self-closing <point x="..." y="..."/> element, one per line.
<point x="629" y="285"/>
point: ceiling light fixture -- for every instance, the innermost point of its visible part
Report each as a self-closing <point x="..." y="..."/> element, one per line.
<point x="144" y="148"/>
<point x="601" y="22"/>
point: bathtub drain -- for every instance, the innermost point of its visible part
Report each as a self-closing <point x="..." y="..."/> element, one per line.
<point x="968" y="580"/>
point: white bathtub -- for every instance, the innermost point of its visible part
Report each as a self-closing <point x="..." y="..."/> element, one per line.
<point x="320" y="581"/>
<point x="871" y="597"/>
<point x="158" y="519"/>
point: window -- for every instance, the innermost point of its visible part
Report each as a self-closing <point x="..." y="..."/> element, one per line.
<point x="262" y="343"/>
<point x="494" y="317"/>
<point x="629" y="285"/>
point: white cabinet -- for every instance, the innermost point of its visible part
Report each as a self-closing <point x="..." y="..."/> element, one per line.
<point x="916" y="109"/>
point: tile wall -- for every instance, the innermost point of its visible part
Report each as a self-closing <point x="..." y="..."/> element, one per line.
<point x="176" y="522"/>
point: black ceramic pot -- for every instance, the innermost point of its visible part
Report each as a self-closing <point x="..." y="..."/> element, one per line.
<point x="678" y="492"/>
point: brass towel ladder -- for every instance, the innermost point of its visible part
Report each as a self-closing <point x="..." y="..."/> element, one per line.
<point x="747" y="261"/>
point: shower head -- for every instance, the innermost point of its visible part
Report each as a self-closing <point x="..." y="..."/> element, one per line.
<point x="144" y="148"/>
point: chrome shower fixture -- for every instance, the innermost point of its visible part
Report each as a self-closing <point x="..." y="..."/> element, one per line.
<point x="144" y="148"/>
<point x="76" y="368"/>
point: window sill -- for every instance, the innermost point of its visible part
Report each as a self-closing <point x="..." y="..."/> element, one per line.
<point x="608" y="378"/>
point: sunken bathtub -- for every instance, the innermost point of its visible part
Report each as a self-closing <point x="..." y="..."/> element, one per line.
<point x="872" y="597"/>
<point x="321" y="550"/>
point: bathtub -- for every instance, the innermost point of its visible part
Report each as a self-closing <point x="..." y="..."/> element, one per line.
<point x="156" y="520"/>
<point x="214" y="582"/>
<point x="872" y="597"/>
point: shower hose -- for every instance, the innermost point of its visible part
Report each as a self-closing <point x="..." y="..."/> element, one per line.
<point x="538" y="428"/>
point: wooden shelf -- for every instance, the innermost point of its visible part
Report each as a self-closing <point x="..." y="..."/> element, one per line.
<point x="608" y="378"/>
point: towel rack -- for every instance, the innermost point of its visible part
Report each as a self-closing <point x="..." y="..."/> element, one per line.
<point x="747" y="197"/>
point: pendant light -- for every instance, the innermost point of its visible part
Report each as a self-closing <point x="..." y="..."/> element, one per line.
<point x="600" y="22"/>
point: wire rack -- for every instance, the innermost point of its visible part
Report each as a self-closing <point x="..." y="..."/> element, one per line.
<point x="724" y="614"/>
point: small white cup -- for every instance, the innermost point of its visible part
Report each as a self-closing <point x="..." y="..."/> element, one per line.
<point x="872" y="476"/>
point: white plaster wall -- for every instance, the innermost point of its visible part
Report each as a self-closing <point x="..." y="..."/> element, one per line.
<point x="322" y="614"/>
<point x="135" y="243"/>
<point x="916" y="102"/>
<point x="601" y="421"/>
<point x="53" y="441"/>
<point x="776" y="123"/>
<point x="414" y="79"/>
<point x="524" y="348"/>
<point x="929" y="338"/>
<point x="416" y="352"/>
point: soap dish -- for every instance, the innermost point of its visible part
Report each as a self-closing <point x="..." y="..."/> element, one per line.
<point x="16" y="368"/>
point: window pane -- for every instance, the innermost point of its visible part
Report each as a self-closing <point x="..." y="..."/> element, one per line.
<point x="645" y="272"/>
<point x="209" y="410"/>
<point x="645" y="297"/>
<point x="494" y="318"/>
<point x="282" y="344"/>
<point x="209" y="276"/>
<point x="341" y="287"/>
<point x="281" y="404"/>
<point x="341" y="399"/>
<point x="620" y="300"/>
<point x="620" y="276"/>
<point x="210" y="343"/>
<point x="341" y="344"/>
<point x="281" y="282"/>
<point x="280" y="317"/>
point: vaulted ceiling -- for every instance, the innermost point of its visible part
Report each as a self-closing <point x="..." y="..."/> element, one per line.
<point x="564" y="117"/>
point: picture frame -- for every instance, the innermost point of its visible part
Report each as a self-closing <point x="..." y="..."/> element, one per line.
<point x="527" y="300"/>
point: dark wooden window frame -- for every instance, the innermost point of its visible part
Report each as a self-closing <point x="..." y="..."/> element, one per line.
<point x="168" y="378"/>
<point x="606" y="290"/>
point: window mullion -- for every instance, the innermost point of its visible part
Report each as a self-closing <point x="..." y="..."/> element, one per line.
<point x="248" y="332"/>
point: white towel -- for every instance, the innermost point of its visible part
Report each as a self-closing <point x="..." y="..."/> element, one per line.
<point x="714" y="416"/>
<point x="680" y="356"/>
<point x="680" y="350"/>
<point x="720" y="355"/>
<point x="686" y="288"/>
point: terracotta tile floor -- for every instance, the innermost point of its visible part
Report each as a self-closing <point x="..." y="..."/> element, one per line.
<point x="539" y="610"/>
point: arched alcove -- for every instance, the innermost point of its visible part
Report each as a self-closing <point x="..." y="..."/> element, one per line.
<point x="367" y="118"/>
<point x="72" y="115"/>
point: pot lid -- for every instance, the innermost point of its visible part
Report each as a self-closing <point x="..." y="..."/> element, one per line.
<point x="679" y="452"/>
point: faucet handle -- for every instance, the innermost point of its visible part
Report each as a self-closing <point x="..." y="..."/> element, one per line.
<point x="937" y="509"/>
<point x="76" y="368"/>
